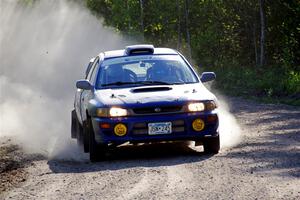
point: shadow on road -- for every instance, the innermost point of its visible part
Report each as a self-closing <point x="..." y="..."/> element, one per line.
<point x="130" y="156"/>
<point x="268" y="157"/>
<point x="272" y="143"/>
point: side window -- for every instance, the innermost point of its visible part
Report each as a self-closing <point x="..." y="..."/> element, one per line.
<point x="88" y="68"/>
<point x="95" y="71"/>
<point x="91" y="72"/>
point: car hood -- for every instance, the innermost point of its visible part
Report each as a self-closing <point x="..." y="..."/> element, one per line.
<point x="153" y="95"/>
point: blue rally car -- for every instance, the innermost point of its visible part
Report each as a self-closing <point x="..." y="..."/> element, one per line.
<point x="143" y="94"/>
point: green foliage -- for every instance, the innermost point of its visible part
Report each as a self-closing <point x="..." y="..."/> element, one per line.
<point x="27" y="2"/>
<point x="292" y="83"/>
<point x="275" y="84"/>
<point x="224" y="35"/>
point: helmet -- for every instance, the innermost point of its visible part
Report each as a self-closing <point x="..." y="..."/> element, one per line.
<point x="158" y="71"/>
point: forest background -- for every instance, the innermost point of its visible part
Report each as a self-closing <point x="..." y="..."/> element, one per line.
<point x="252" y="45"/>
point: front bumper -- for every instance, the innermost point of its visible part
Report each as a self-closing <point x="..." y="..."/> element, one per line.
<point x="137" y="128"/>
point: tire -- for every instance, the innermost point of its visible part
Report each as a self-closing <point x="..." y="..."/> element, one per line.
<point x="85" y="139"/>
<point x="212" y="145"/>
<point x="78" y="132"/>
<point x="97" y="151"/>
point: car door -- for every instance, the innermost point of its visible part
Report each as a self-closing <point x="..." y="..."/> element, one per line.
<point x="86" y="95"/>
<point x="77" y="101"/>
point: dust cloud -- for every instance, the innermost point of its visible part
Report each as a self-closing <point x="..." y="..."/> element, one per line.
<point x="229" y="129"/>
<point x="44" y="48"/>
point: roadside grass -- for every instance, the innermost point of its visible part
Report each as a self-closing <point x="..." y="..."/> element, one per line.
<point x="269" y="85"/>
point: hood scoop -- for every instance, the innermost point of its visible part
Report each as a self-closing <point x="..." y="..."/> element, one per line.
<point x="151" y="89"/>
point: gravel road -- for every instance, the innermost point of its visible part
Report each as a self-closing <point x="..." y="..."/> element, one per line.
<point x="265" y="165"/>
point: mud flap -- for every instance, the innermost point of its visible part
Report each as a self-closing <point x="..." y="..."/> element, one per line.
<point x="198" y="143"/>
<point x="212" y="145"/>
<point x="73" y="124"/>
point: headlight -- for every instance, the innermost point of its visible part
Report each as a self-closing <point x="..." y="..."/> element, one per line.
<point x="196" y="107"/>
<point x="117" y="112"/>
<point x="111" y="112"/>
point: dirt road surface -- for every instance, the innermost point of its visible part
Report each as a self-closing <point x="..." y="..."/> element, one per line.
<point x="265" y="165"/>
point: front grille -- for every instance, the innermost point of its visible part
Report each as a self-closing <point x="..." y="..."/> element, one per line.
<point x="142" y="128"/>
<point x="157" y="110"/>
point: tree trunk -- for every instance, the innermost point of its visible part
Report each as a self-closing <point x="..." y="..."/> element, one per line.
<point x="128" y="13"/>
<point x="262" y="33"/>
<point x="178" y="26"/>
<point x="255" y="44"/>
<point x="142" y="19"/>
<point x="188" y="37"/>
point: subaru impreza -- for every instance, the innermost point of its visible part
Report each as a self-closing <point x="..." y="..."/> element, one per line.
<point x="143" y="94"/>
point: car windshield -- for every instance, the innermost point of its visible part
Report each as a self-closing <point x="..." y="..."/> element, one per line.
<point x="144" y="70"/>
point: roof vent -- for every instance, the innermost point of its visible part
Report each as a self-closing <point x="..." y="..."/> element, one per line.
<point x="139" y="49"/>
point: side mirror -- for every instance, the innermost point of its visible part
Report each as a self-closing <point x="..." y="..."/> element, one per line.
<point x="207" y="76"/>
<point x="84" y="84"/>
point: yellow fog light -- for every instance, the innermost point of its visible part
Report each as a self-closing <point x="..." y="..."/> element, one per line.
<point x="198" y="124"/>
<point x="120" y="129"/>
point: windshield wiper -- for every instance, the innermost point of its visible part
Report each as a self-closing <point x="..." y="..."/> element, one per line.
<point x="120" y="83"/>
<point x="153" y="83"/>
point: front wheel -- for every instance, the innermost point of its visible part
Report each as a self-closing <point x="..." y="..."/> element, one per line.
<point x="78" y="132"/>
<point x="212" y="145"/>
<point x="85" y="140"/>
<point x="97" y="151"/>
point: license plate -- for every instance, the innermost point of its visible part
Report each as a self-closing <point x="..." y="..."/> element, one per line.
<point x="160" y="128"/>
